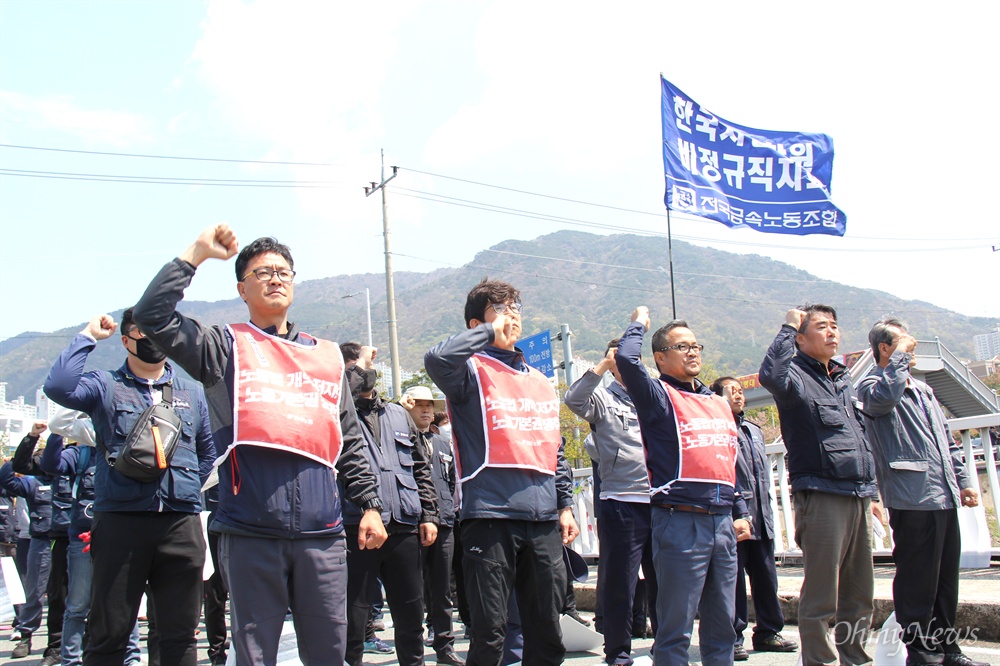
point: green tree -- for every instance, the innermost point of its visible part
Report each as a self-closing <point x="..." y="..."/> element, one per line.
<point x="575" y="430"/>
<point x="418" y="379"/>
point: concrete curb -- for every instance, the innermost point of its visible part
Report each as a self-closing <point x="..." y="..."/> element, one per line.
<point x="976" y="619"/>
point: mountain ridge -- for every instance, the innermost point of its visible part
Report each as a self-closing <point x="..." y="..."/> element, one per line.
<point x="734" y="303"/>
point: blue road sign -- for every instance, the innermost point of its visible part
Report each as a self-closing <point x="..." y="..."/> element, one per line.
<point x="538" y="352"/>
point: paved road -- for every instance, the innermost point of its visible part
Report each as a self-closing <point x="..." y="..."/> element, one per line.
<point x="989" y="652"/>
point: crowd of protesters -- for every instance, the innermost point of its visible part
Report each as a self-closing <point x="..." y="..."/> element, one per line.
<point x="324" y="499"/>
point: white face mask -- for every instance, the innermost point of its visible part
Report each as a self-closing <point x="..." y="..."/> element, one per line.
<point x="445" y="431"/>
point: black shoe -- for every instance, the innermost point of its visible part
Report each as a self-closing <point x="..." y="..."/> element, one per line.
<point x="450" y="658"/>
<point x="740" y="653"/>
<point x="959" y="659"/>
<point x="575" y="614"/>
<point x="774" y="643"/>
<point x="22" y="649"/>
<point x="51" y="658"/>
<point x="643" y="632"/>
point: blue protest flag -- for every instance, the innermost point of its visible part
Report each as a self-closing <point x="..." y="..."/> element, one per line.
<point x="774" y="182"/>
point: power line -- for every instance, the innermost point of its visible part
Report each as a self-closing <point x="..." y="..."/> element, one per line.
<point x="155" y="180"/>
<point x="164" y="157"/>
<point x="638" y="212"/>
<point x="452" y="201"/>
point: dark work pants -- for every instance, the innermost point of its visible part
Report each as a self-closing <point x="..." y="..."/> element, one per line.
<point x="437" y="571"/>
<point x="215" y="604"/>
<point x="397" y="563"/>
<point x="461" y="602"/>
<point x="626" y="544"/>
<point x="129" y="549"/>
<point x="755" y="558"/>
<point x="927" y="552"/>
<point x="267" y="577"/>
<point x="56" y="591"/>
<point x="501" y="556"/>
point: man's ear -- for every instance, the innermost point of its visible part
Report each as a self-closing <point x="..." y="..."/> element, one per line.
<point x="241" y="288"/>
<point x="125" y="341"/>
<point x="473" y="323"/>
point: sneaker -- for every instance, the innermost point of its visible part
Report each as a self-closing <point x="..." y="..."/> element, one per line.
<point x="575" y="614"/>
<point x="377" y="646"/>
<point x="774" y="643"/>
<point x="960" y="659"/>
<point x="50" y="659"/>
<point x="22" y="649"/>
<point x="740" y="653"/>
<point x="429" y="637"/>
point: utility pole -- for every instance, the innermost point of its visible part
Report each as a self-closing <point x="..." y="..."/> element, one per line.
<point x="390" y="292"/>
<point x="368" y="309"/>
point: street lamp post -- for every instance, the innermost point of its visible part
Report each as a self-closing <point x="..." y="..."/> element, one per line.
<point x="368" y="308"/>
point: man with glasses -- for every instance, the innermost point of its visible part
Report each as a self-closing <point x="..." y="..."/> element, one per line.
<point x="832" y="473"/>
<point x="283" y="419"/>
<point x="514" y="483"/>
<point x="755" y="556"/>
<point x="690" y="439"/>
<point x="143" y="532"/>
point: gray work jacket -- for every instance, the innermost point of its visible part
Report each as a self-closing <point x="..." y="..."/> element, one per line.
<point x="919" y="466"/>
<point x="611" y="415"/>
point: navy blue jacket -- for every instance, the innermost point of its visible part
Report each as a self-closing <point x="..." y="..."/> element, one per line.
<point x="79" y="463"/>
<point x="496" y="492"/>
<point x="26" y="462"/>
<point x="753" y="478"/>
<point x="820" y="421"/>
<point x="659" y="431"/>
<point x="403" y="471"/>
<point x="443" y="472"/>
<point x="8" y="518"/>
<point x="262" y="492"/>
<point x="115" y="401"/>
<point x="37" y="492"/>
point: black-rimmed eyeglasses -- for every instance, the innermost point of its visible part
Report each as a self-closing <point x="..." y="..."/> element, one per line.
<point x="286" y="275"/>
<point x="502" y="308"/>
<point x="683" y="348"/>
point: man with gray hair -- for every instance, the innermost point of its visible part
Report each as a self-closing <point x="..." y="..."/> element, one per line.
<point x="923" y="481"/>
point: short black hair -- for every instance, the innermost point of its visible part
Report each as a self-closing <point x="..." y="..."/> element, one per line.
<point x="613" y="344"/>
<point x="351" y="351"/>
<point x="660" y="337"/>
<point x="127" y="320"/>
<point x="265" y="245"/>
<point x="812" y="308"/>
<point x="486" y="292"/>
<point x="719" y="384"/>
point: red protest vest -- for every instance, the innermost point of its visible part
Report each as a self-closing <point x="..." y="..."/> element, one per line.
<point x="520" y="418"/>
<point x="286" y="394"/>
<point x="706" y="438"/>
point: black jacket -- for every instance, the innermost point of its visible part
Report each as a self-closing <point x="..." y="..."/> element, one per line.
<point x="820" y="421"/>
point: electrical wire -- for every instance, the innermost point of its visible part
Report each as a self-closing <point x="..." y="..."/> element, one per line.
<point x="165" y="157"/>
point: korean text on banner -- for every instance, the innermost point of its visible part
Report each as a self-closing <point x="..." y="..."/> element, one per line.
<point x="774" y="182"/>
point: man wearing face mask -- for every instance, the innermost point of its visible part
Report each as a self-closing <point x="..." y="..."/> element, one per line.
<point x="143" y="532"/>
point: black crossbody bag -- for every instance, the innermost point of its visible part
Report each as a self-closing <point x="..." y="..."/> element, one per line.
<point x="150" y="444"/>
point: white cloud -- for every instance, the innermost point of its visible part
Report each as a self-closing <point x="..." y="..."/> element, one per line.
<point x="99" y="127"/>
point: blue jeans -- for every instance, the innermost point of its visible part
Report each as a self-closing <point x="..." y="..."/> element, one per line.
<point x="694" y="556"/>
<point x="29" y="618"/>
<point x="78" y="607"/>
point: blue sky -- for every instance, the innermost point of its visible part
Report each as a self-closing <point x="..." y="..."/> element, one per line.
<point x="557" y="98"/>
